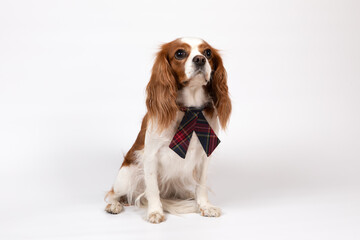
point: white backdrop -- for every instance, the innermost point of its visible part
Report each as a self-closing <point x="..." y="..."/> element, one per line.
<point x="72" y="91"/>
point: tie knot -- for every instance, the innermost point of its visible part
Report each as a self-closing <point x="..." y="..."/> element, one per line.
<point x="196" y="109"/>
<point x="191" y="109"/>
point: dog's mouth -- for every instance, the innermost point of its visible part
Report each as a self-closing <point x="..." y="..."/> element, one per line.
<point x="198" y="78"/>
<point x="198" y="73"/>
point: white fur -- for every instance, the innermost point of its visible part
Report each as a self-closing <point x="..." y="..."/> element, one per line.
<point x="194" y="94"/>
<point x="189" y="66"/>
<point x="160" y="174"/>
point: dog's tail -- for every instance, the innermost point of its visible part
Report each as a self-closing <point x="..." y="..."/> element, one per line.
<point x="173" y="206"/>
<point x="179" y="206"/>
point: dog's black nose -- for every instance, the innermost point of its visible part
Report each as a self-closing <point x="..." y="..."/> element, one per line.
<point x="199" y="60"/>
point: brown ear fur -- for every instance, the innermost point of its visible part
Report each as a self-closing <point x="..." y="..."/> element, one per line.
<point x="219" y="90"/>
<point x="161" y="91"/>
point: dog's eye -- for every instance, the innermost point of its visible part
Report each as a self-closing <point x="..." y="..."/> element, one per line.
<point x="207" y="53"/>
<point x="180" y="54"/>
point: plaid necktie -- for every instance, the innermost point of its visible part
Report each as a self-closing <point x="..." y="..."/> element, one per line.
<point x="194" y="120"/>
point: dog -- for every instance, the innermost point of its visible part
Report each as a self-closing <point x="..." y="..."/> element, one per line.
<point x="166" y="168"/>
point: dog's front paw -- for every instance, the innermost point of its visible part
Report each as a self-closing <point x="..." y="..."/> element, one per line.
<point x="210" y="211"/>
<point x="114" y="208"/>
<point x="156" y="217"/>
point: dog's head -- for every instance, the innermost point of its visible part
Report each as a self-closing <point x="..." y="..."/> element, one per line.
<point x="186" y="62"/>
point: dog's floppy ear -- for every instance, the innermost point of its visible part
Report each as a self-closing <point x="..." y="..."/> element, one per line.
<point x="161" y="91"/>
<point x="219" y="90"/>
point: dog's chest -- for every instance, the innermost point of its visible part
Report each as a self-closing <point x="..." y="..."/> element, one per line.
<point x="171" y="162"/>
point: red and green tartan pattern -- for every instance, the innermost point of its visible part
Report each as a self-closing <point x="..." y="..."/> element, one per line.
<point x="194" y="121"/>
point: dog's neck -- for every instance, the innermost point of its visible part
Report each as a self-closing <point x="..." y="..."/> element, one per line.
<point x="194" y="94"/>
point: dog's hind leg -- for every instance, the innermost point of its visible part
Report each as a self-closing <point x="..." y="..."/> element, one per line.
<point x="120" y="190"/>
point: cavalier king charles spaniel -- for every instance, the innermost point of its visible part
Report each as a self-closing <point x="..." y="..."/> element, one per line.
<point x="187" y="101"/>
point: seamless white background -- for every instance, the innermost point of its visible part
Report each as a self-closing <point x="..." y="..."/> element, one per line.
<point x="72" y="91"/>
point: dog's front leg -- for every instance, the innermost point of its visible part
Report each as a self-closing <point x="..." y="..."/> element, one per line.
<point x="155" y="212"/>
<point x="206" y="209"/>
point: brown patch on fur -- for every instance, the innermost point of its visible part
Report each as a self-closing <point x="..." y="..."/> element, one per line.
<point x="178" y="66"/>
<point x="138" y="144"/>
<point x="168" y="75"/>
<point x="219" y="91"/>
<point x="217" y="87"/>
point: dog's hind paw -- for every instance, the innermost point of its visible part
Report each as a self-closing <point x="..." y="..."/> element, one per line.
<point x="114" y="208"/>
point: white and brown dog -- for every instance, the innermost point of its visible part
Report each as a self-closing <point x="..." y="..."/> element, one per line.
<point x="187" y="72"/>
